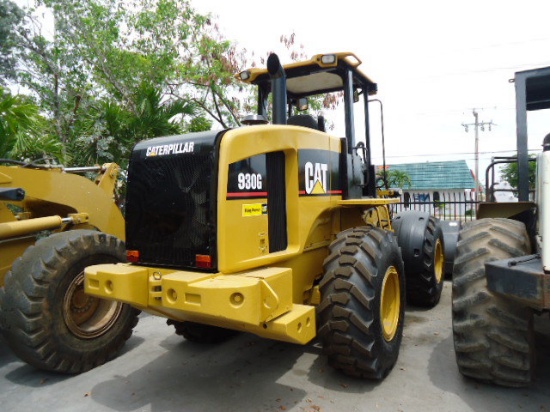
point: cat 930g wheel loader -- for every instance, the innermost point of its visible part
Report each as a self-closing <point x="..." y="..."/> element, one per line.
<point x="273" y="229"/>
<point x="501" y="274"/>
<point x="54" y="223"/>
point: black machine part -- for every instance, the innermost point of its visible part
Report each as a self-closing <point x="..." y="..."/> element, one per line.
<point x="278" y="88"/>
<point x="522" y="279"/>
<point x="12" y="193"/>
<point x="420" y="238"/>
<point x="450" y="229"/>
<point x="546" y="143"/>
<point x="170" y="202"/>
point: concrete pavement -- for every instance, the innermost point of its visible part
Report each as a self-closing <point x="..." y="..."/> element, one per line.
<point x="159" y="371"/>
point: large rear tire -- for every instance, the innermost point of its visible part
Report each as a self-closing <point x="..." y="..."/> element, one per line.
<point x="361" y="313"/>
<point x="47" y="319"/>
<point x="493" y="336"/>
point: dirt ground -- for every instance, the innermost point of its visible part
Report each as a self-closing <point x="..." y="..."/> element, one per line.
<point x="159" y="371"/>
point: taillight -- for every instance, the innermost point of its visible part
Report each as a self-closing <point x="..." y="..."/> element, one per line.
<point x="203" y="261"/>
<point x="132" y="256"/>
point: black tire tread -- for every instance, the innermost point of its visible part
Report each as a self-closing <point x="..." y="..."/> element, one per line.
<point x="423" y="288"/>
<point x="349" y="324"/>
<point x="27" y="318"/>
<point x="492" y="336"/>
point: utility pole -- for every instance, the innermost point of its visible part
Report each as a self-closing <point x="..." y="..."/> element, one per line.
<point x="477" y="125"/>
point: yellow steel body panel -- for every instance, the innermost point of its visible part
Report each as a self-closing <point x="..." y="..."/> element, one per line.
<point x="53" y="192"/>
<point x="312" y="221"/>
<point x="296" y="326"/>
<point x="119" y="282"/>
<point x="254" y="290"/>
<point x="252" y="298"/>
<point x="351" y="60"/>
<point x="51" y="195"/>
<point x="234" y="254"/>
<point x="259" y="301"/>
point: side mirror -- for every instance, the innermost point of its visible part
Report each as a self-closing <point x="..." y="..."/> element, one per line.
<point x="302" y="104"/>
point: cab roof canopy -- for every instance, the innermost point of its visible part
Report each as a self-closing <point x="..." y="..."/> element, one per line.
<point x="536" y="84"/>
<point x="323" y="73"/>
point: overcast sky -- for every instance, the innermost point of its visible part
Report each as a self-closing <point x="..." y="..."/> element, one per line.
<point x="434" y="61"/>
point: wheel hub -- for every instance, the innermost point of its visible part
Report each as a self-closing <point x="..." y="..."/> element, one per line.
<point x="85" y="316"/>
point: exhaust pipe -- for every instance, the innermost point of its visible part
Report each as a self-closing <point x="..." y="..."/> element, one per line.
<point x="278" y="88"/>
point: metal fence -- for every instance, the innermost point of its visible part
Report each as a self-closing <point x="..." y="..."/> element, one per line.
<point x="448" y="206"/>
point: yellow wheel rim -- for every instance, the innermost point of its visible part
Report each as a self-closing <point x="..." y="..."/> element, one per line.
<point x="439" y="261"/>
<point x="390" y="303"/>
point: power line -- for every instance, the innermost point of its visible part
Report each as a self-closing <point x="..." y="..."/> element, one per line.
<point x="437" y="53"/>
<point x="442" y="113"/>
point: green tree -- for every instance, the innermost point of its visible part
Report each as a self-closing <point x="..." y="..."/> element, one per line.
<point x="87" y="75"/>
<point x="102" y="53"/>
<point x="20" y="126"/>
<point x="112" y="130"/>
<point x="510" y="173"/>
<point x="164" y="43"/>
<point x="393" y="178"/>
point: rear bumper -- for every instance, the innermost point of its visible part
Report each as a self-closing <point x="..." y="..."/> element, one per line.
<point x="258" y="301"/>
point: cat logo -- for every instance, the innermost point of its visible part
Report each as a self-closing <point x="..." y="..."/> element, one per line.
<point x="316" y="178"/>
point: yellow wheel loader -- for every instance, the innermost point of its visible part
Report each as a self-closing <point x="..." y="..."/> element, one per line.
<point x="54" y="223"/>
<point x="274" y="228"/>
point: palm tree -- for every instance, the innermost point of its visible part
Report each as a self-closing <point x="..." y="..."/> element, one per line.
<point x="18" y="119"/>
<point x="110" y="130"/>
<point x="394" y="178"/>
<point x="23" y="130"/>
<point x="154" y="118"/>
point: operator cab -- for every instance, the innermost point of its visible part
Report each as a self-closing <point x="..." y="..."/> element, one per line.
<point x="321" y="76"/>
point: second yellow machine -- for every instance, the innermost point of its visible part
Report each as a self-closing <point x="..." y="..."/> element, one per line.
<point x="275" y="229"/>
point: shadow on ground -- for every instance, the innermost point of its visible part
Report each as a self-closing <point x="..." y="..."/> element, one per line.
<point x="27" y="375"/>
<point x="479" y="396"/>
<point x="197" y="377"/>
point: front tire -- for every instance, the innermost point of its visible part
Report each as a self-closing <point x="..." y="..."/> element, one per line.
<point x="493" y="336"/>
<point x="361" y="313"/>
<point x="47" y="319"/>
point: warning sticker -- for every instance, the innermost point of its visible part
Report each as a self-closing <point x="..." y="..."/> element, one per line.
<point x="254" y="209"/>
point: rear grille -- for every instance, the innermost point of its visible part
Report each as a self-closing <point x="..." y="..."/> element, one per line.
<point x="169" y="215"/>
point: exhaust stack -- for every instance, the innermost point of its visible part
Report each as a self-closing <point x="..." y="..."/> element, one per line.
<point x="278" y="88"/>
